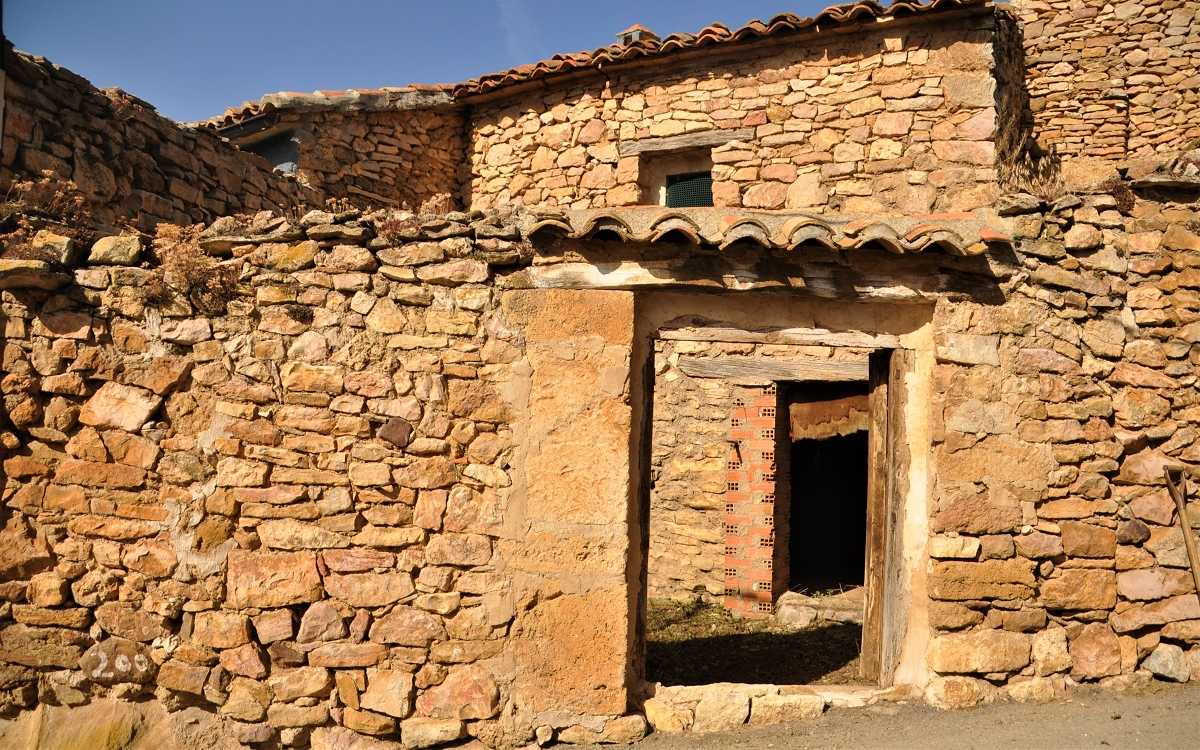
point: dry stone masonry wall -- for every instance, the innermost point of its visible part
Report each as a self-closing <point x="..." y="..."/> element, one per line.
<point x="287" y="513"/>
<point x="1112" y="81"/>
<point x="409" y="158"/>
<point x="130" y="162"/>
<point x="1055" y="552"/>
<point x="899" y="120"/>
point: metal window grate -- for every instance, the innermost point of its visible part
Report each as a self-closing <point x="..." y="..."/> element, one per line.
<point x="690" y="189"/>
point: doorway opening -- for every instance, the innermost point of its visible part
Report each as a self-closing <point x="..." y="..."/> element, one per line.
<point x="788" y="525"/>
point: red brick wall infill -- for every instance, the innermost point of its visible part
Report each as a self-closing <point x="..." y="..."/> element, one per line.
<point x="750" y="502"/>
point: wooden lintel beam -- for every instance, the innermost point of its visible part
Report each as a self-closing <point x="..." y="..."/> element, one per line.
<point x="685" y="141"/>
<point x="792" y="336"/>
<point x="757" y="369"/>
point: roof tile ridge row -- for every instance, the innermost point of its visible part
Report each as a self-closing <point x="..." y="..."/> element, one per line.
<point x="863" y="11"/>
<point x="962" y="234"/>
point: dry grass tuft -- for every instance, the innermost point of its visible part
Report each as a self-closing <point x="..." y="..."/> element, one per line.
<point x="185" y="270"/>
<point x="49" y="202"/>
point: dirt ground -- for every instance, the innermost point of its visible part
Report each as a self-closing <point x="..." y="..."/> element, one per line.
<point x="1160" y="718"/>
<point x="692" y="643"/>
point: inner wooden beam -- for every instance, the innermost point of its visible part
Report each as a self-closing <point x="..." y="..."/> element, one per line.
<point x="751" y="370"/>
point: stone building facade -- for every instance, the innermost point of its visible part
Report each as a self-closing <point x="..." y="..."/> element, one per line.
<point x="900" y="119"/>
<point x="381" y="475"/>
<point x="387" y="147"/>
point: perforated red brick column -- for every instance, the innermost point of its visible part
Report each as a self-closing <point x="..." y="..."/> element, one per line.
<point x="750" y="502"/>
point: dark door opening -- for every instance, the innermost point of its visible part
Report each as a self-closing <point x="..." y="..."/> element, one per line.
<point x="822" y="508"/>
<point x="828" y="542"/>
<point x="827" y="513"/>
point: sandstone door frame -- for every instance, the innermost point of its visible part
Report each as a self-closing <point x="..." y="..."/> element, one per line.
<point x="577" y="542"/>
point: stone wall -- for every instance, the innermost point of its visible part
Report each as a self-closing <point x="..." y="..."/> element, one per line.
<point x="405" y="159"/>
<point x="365" y="496"/>
<point x="688" y="454"/>
<point x="897" y="119"/>
<point x="129" y="161"/>
<point x="311" y="513"/>
<point x="1112" y="81"/>
<point x="1055" y="551"/>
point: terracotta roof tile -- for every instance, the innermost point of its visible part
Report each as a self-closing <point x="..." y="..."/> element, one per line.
<point x="649" y="45"/>
<point x="402" y="97"/>
<point x="961" y="234"/>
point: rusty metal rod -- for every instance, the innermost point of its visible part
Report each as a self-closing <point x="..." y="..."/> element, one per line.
<point x="1178" y="494"/>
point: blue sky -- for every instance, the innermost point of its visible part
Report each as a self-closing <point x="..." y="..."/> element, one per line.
<point x="193" y="58"/>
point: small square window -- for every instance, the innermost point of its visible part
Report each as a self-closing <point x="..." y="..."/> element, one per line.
<point x="689" y="189"/>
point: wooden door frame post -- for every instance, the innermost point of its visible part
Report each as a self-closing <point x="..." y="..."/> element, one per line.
<point x="886" y="610"/>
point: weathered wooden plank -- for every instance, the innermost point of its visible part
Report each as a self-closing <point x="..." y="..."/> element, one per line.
<point x="770" y="369"/>
<point x="685" y="141"/>
<point x="794" y="336"/>
<point x="895" y="589"/>
<point x="877" y="500"/>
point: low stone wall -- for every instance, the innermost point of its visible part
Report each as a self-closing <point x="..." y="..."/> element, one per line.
<point x="130" y="162"/>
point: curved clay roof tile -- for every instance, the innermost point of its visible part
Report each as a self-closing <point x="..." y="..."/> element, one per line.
<point x="551" y="225"/>
<point x="672" y="222"/>
<point x="606" y="222"/>
<point x="746" y="229"/>
<point x="804" y="231"/>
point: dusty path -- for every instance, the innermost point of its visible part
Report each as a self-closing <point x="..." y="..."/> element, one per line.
<point x="1163" y="718"/>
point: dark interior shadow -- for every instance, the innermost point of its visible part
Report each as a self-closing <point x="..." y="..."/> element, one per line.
<point x="828" y="542"/>
<point x="797" y="658"/>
